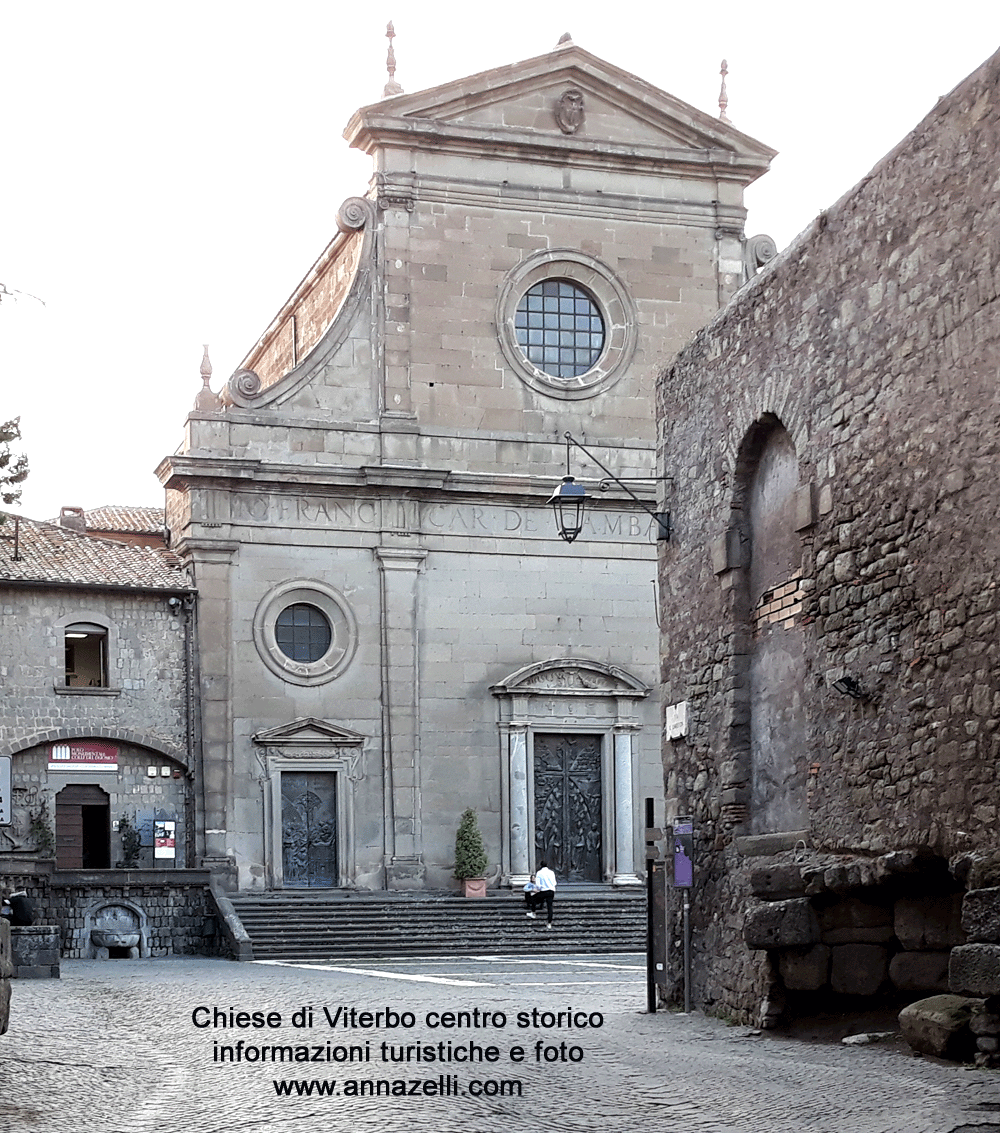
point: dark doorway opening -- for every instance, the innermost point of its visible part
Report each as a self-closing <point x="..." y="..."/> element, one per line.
<point x="83" y="828"/>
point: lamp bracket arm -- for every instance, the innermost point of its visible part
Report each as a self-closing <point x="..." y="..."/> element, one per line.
<point x="571" y="440"/>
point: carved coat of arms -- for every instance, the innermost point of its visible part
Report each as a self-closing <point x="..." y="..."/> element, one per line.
<point x="569" y="110"/>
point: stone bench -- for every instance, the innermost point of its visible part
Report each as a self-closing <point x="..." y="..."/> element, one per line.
<point x="35" y="951"/>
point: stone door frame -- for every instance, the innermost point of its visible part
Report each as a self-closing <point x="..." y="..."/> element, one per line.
<point x="310" y="745"/>
<point x="570" y="695"/>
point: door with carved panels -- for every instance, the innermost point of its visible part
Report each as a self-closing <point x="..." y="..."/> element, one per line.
<point x="567" y="783"/>
<point x="309" y="829"/>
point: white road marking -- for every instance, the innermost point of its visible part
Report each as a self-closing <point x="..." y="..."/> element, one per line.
<point x="567" y="983"/>
<point x="564" y="963"/>
<point x="306" y="966"/>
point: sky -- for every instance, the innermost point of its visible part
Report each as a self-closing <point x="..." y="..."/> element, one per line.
<point x="170" y="172"/>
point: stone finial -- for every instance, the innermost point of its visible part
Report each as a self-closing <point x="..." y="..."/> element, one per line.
<point x="723" y="97"/>
<point x="391" y="87"/>
<point x="206" y="401"/>
<point x="565" y="40"/>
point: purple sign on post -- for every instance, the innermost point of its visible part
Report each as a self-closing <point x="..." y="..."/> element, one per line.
<point x="683" y="853"/>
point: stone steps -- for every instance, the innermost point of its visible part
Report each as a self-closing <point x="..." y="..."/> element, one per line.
<point x="285" y="926"/>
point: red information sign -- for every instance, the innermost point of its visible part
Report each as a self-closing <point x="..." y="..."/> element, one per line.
<point x="83" y="755"/>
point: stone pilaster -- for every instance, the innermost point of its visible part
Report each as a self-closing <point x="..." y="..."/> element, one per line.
<point x="211" y="562"/>
<point x="399" y="569"/>
<point x="625" y="866"/>
<point x="519" y="824"/>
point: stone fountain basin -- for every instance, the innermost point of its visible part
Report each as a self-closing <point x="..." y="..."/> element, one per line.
<point x="104" y="939"/>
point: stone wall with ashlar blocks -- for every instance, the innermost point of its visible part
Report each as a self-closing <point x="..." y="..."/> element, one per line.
<point x="874" y="341"/>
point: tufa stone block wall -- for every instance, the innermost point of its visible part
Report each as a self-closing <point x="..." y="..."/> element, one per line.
<point x="179" y="912"/>
<point x="875" y="342"/>
<point x="145" y="698"/>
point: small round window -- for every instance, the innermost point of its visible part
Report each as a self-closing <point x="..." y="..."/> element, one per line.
<point x="302" y="632"/>
<point x="559" y="328"/>
<point x="305" y="631"/>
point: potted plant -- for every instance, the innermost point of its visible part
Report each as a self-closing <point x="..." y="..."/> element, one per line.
<point x="470" y="856"/>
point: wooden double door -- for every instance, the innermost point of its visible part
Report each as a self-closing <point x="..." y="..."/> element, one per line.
<point x="568" y="804"/>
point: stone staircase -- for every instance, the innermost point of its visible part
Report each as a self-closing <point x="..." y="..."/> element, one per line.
<point x="333" y="925"/>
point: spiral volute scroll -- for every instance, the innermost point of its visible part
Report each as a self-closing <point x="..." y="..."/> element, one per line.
<point x="759" y="249"/>
<point x="354" y="213"/>
<point x="242" y="388"/>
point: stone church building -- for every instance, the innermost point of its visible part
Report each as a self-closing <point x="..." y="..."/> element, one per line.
<point x="390" y="628"/>
<point x="831" y="598"/>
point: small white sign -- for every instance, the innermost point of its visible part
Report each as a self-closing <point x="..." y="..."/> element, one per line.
<point x="5" y="791"/>
<point x="677" y="720"/>
<point x="164" y="839"/>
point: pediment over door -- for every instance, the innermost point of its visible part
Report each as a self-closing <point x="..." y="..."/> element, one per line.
<point x="309" y="732"/>
<point x="571" y="677"/>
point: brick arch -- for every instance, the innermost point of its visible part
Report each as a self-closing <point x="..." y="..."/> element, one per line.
<point x="121" y="735"/>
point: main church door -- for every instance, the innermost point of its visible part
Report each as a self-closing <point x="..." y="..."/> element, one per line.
<point x="568" y="804"/>
<point x="309" y="829"/>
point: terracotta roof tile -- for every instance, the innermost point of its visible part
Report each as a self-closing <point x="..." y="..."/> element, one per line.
<point x="125" y="518"/>
<point x="50" y="553"/>
<point x="120" y="517"/>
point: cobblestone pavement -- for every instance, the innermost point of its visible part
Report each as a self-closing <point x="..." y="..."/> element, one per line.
<point x="112" y="1048"/>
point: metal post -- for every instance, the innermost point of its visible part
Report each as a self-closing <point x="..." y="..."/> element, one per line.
<point x="650" y="956"/>
<point x="687" y="951"/>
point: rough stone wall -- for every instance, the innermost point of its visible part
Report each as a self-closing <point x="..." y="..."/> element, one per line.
<point x="132" y="793"/>
<point x="874" y="342"/>
<point x="180" y="915"/>
<point x="146" y="694"/>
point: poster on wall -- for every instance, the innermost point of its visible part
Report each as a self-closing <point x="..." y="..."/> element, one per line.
<point x="83" y="755"/>
<point x="164" y="839"/>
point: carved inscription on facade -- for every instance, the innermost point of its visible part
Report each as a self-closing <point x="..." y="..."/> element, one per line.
<point x="419" y="517"/>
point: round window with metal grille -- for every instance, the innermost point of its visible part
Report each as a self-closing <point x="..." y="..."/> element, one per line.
<point x="566" y="324"/>
<point x="302" y="632"/>
<point x="305" y="631"/>
<point x="559" y="328"/>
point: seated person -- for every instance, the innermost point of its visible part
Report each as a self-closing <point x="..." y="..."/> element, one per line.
<point x="532" y="898"/>
<point x="21" y="911"/>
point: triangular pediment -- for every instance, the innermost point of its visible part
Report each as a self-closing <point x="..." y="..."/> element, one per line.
<point x="520" y="104"/>
<point x="570" y="676"/>
<point x="307" y="731"/>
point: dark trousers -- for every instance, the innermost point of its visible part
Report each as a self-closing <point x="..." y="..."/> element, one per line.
<point x="548" y="897"/>
<point x="532" y="900"/>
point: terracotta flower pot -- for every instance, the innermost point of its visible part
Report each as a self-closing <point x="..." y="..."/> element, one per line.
<point x="474" y="886"/>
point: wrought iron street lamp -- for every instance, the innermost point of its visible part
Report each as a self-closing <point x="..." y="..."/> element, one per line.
<point x="569" y="500"/>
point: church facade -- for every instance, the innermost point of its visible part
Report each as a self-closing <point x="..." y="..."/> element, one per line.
<point x="390" y="629"/>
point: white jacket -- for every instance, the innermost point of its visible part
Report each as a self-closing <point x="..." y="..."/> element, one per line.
<point x="545" y="880"/>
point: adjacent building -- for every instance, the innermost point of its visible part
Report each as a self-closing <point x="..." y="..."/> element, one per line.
<point x="830" y="597"/>
<point x="100" y="723"/>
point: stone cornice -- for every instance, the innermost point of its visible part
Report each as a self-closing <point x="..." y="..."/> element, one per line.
<point x="491" y="143"/>
<point x="333" y="481"/>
